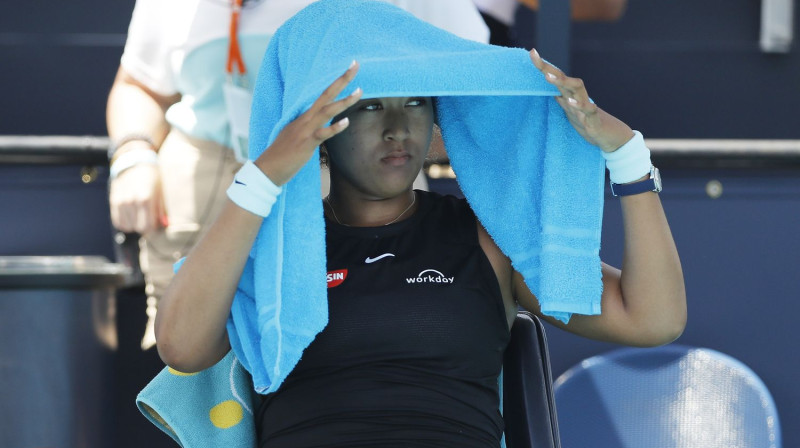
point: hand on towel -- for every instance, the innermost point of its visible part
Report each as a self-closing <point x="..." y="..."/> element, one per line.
<point x="296" y="143"/>
<point x="597" y="126"/>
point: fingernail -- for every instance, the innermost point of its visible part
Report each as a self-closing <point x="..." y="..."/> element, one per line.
<point x="344" y="122"/>
<point x="356" y="92"/>
<point x="535" y="53"/>
<point x="551" y="76"/>
<point x="353" y="64"/>
<point x="572" y="101"/>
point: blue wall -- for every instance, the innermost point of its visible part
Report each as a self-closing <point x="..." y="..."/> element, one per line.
<point x="690" y="69"/>
<point x="47" y="210"/>
<point x="741" y="261"/>
<point x="59" y="60"/>
<point x="677" y="69"/>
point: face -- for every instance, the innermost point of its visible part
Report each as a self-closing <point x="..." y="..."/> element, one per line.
<point x="383" y="148"/>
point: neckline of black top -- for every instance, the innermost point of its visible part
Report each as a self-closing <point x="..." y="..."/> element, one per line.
<point x="423" y="207"/>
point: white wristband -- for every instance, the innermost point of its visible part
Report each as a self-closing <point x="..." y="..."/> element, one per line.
<point x="130" y="159"/>
<point x="253" y="191"/>
<point x="630" y="162"/>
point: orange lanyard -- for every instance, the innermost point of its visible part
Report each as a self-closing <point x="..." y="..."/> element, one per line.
<point x="234" y="52"/>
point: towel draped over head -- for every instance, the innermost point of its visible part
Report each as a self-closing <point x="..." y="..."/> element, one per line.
<point x="533" y="182"/>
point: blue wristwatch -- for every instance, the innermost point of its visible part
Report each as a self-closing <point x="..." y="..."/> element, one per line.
<point x="651" y="184"/>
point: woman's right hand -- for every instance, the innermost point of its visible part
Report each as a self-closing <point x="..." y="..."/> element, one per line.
<point x="296" y="143"/>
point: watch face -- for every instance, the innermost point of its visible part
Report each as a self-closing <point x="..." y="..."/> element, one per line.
<point x="656" y="176"/>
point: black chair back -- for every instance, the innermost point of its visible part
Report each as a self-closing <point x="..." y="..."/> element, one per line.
<point x="529" y="408"/>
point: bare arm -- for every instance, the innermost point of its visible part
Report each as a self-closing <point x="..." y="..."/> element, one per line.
<point x="645" y="303"/>
<point x="135" y="195"/>
<point x="642" y="305"/>
<point x="190" y="324"/>
<point x="133" y="108"/>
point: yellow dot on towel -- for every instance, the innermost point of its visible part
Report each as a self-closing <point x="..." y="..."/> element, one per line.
<point x="176" y="373"/>
<point x="226" y="414"/>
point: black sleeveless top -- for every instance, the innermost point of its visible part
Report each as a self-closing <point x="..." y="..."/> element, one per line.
<point x="414" y="343"/>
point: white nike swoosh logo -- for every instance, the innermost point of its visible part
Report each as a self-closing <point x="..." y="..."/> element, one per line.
<point x="373" y="260"/>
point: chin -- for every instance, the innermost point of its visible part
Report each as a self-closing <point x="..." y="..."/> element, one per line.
<point x="402" y="181"/>
<point x="390" y="188"/>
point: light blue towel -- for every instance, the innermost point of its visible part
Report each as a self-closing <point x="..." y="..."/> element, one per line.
<point x="214" y="407"/>
<point x="534" y="183"/>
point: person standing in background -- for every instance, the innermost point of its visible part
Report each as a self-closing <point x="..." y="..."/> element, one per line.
<point x="178" y="114"/>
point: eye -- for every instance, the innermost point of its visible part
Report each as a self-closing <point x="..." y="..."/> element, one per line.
<point x="416" y="102"/>
<point x="372" y="106"/>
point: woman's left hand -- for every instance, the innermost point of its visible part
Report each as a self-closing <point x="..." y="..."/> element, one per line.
<point x="597" y="126"/>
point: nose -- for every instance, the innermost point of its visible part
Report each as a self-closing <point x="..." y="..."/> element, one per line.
<point x="396" y="125"/>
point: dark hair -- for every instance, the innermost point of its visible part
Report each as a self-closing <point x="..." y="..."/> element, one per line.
<point x="323" y="155"/>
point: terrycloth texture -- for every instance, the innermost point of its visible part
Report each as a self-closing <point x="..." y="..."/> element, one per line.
<point x="211" y="408"/>
<point x="533" y="182"/>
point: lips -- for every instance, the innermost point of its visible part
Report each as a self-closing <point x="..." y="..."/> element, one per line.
<point x="397" y="158"/>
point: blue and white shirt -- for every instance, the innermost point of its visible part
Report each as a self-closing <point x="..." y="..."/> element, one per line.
<point x="181" y="47"/>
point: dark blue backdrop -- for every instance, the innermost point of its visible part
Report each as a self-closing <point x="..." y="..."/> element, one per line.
<point x="678" y="69"/>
